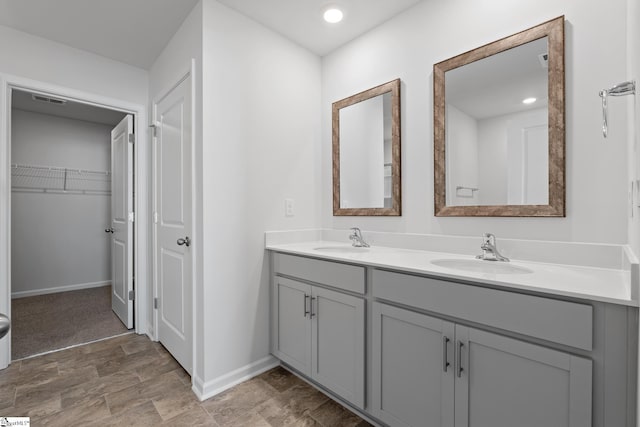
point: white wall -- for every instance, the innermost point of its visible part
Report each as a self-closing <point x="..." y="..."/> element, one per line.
<point x="46" y="140"/>
<point x="58" y="240"/>
<point x="32" y="57"/>
<point x="408" y="45"/>
<point x="260" y="145"/>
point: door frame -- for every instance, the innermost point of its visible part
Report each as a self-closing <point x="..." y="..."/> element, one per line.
<point x="188" y="71"/>
<point x="141" y="225"/>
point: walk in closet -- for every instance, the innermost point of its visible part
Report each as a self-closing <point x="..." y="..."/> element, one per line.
<point x="60" y="208"/>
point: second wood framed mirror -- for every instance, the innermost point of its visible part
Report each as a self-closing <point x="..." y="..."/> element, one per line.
<point x="499" y="127"/>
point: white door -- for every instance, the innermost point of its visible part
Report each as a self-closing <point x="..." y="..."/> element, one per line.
<point x="122" y="221"/>
<point x="528" y="159"/>
<point x="172" y="218"/>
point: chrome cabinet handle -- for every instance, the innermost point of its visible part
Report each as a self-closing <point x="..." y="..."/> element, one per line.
<point x="459" y="359"/>
<point x="186" y="242"/>
<point x="445" y="362"/>
<point x="311" y="307"/>
<point x="109" y="230"/>
<point x="306" y="298"/>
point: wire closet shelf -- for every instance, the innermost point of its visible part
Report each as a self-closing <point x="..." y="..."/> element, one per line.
<point x="47" y="179"/>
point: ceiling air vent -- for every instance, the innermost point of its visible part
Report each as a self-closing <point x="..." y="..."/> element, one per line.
<point x="48" y="100"/>
<point x="544" y="60"/>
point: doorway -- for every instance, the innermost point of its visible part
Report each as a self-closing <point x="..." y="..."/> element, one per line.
<point x="71" y="245"/>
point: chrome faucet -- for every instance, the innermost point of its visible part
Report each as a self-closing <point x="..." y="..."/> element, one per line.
<point x="490" y="250"/>
<point x="356" y="238"/>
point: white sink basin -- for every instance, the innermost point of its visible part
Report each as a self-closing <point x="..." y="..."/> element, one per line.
<point x="341" y="249"/>
<point x="481" y="266"/>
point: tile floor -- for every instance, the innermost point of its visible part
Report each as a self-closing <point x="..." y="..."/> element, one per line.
<point x="130" y="380"/>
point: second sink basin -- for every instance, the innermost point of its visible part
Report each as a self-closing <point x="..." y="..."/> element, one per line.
<point x="480" y="266"/>
<point x="341" y="249"/>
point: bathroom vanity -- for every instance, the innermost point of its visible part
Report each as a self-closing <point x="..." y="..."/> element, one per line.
<point x="418" y="338"/>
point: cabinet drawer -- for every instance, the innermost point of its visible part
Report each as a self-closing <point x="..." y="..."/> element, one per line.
<point x="553" y="320"/>
<point x="341" y="276"/>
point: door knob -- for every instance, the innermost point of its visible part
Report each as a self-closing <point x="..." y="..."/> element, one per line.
<point x="186" y="241"/>
<point x="5" y="325"/>
<point x="108" y="230"/>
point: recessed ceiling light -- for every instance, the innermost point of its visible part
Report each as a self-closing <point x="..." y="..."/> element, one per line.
<point x="529" y="100"/>
<point x="333" y="15"/>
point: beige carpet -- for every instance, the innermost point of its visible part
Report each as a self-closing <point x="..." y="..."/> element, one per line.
<point x="54" y="321"/>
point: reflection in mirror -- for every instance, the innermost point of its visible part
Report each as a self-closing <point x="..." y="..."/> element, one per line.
<point x="366" y="152"/>
<point x="499" y="127"/>
<point x="496" y="129"/>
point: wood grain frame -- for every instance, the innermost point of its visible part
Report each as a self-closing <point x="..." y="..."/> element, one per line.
<point x="396" y="202"/>
<point x="554" y="30"/>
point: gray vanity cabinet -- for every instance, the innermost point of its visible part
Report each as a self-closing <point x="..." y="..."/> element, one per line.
<point x="337" y="332"/>
<point x="320" y="332"/>
<point x="412" y="368"/>
<point x="502" y="381"/>
<point x="291" y="302"/>
<point x="431" y="372"/>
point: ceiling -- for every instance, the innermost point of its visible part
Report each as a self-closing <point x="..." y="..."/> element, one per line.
<point x="496" y="85"/>
<point x="301" y="20"/>
<point x="136" y="31"/>
<point x="129" y="31"/>
<point x="71" y="110"/>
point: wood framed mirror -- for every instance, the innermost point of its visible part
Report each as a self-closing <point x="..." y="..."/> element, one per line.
<point x="366" y="152"/>
<point x="499" y="127"/>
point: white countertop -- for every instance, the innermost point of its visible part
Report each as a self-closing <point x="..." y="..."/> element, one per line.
<point x="596" y="284"/>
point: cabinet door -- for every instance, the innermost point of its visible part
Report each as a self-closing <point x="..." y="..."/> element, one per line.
<point x="413" y="382"/>
<point x="292" y="327"/>
<point x="503" y="382"/>
<point x="338" y="360"/>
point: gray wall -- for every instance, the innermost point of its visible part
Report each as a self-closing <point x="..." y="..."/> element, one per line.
<point x="58" y="240"/>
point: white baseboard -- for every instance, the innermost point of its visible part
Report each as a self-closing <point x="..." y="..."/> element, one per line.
<point x="206" y="390"/>
<point x="66" y="288"/>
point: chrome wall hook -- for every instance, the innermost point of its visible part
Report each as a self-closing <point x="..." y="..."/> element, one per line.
<point x="621" y="89"/>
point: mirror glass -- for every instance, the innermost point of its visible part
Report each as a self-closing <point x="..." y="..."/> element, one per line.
<point x="366" y="152"/>
<point x="496" y="129"/>
<point x="499" y="127"/>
